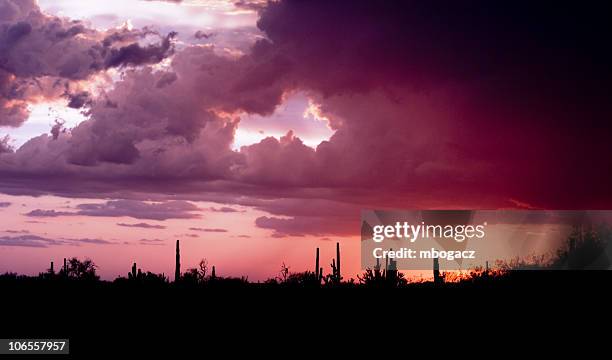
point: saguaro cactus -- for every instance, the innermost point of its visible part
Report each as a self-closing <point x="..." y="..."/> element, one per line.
<point x="377" y="268"/>
<point x="177" y="268"/>
<point x="391" y="271"/>
<point x="317" y="274"/>
<point x="436" y="271"/>
<point x="334" y="273"/>
<point x="213" y="274"/>
<point x="132" y="275"/>
<point x="339" y="274"/>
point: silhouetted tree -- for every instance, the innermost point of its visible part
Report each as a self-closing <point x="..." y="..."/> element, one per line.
<point x="203" y="268"/>
<point x="191" y="277"/>
<point x="80" y="270"/>
<point x="284" y="273"/>
<point x="197" y="275"/>
<point x="585" y="249"/>
<point x="376" y="278"/>
<point x="372" y="278"/>
<point x="302" y="279"/>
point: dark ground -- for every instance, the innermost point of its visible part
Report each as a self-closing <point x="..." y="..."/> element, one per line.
<point x="102" y="318"/>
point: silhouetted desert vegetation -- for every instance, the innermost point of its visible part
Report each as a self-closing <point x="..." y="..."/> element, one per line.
<point x="583" y="250"/>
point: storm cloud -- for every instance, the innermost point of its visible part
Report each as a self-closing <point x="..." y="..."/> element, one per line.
<point x="43" y="56"/>
<point x="434" y="104"/>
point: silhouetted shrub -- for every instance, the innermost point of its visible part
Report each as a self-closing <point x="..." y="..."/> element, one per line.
<point x="80" y="270"/>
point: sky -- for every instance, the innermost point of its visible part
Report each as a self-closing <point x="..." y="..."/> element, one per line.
<point x="256" y="132"/>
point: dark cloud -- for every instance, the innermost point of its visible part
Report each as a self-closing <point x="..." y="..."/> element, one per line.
<point x="137" y="123"/>
<point x="13" y="108"/>
<point x="141" y="210"/>
<point x="202" y="35"/>
<point x="130" y="208"/>
<point x="28" y="241"/>
<point x="5" y="146"/>
<point x="189" y="235"/>
<point x="215" y="230"/>
<point x="135" y="54"/>
<point x="88" y="241"/>
<point x="253" y="5"/>
<point x="78" y="100"/>
<point x="142" y="225"/>
<point x="36" y="44"/>
<point x="301" y="226"/>
<point x="42" y="242"/>
<point x="313" y="217"/>
<point x="462" y="94"/>
<point x="16" y="231"/>
<point x="434" y="104"/>
<point x="425" y="43"/>
<point x="48" y="213"/>
<point x="126" y="35"/>
<point x="57" y="129"/>
<point x="5" y="204"/>
<point x="223" y="209"/>
<point x="156" y="242"/>
<point x="42" y="55"/>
